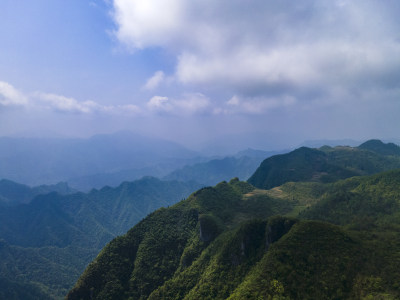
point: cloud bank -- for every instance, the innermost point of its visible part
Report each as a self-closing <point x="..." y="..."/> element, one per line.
<point x="270" y="53"/>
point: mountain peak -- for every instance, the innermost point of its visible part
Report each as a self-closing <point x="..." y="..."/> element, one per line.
<point x="380" y="147"/>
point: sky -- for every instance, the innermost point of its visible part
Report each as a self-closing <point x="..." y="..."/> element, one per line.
<point x="259" y="73"/>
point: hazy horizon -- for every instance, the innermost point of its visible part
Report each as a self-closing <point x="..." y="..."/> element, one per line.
<point x="265" y="74"/>
<point x="225" y="147"/>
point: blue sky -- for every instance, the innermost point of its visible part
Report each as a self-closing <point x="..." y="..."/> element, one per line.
<point x="265" y="74"/>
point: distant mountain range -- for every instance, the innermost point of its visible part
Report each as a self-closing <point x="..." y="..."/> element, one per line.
<point x="217" y="170"/>
<point x="241" y="165"/>
<point x="111" y="159"/>
<point x="113" y="179"/>
<point x="203" y="170"/>
<point x="36" y="161"/>
<point x="12" y="193"/>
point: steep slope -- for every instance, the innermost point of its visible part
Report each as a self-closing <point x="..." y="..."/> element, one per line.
<point x="171" y="239"/>
<point x="223" y="243"/>
<point x="321" y="165"/>
<point x="51" y="239"/>
<point x="313" y="261"/>
<point x="224" y="264"/>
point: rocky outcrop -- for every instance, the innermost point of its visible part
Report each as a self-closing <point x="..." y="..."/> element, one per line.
<point x="276" y="228"/>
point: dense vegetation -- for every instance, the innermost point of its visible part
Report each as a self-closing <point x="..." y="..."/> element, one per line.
<point x="49" y="241"/>
<point x="15" y="291"/>
<point x="334" y="239"/>
<point x="233" y="240"/>
<point x="326" y="164"/>
<point x="381" y="148"/>
<point x="171" y="239"/>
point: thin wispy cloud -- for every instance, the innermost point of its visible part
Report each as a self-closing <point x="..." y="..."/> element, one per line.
<point x="64" y="104"/>
<point x="12" y="97"/>
<point x="255" y="105"/>
<point x="154" y="81"/>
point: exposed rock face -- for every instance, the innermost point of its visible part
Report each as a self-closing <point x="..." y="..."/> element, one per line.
<point x="276" y="228"/>
<point x="208" y="228"/>
<point x="248" y="241"/>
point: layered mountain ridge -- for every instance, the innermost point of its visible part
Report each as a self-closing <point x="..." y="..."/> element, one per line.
<point x="312" y="234"/>
<point x="13" y="193"/>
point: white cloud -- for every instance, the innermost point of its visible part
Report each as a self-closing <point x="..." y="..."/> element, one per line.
<point x="268" y="48"/>
<point x="64" y="104"/>
<point x="159" y="103"/>
<point x="256" y="105"/>
<point x="193" y="103"/>
<point x="189" y="104"/>
<point x="154" y="81"/>
<point x="10" y="96"/>
<point x="147" y="23"/>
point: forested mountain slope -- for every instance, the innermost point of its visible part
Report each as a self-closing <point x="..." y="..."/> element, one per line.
<point x="379" y="147"/>
<point x="49" y="241"/>
<point x="169" y="239"/>
<point x="232" y="240"/>
<point x="224" y="243"/>
<point x="326" y="164"/>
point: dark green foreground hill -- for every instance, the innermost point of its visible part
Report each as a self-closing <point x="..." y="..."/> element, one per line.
<point x="228" y="242"/>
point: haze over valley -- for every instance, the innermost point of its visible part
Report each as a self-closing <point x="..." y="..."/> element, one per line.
<point x="176" y="149"/>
